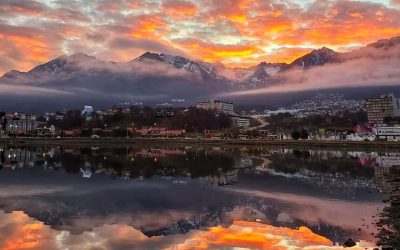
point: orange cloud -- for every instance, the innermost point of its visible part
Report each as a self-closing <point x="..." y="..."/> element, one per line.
<point x="216" y="52"/>
<point x="286" y="55"/>
<point x="180" y="8"/>
<point x="25" y="50"/>
<point x="234" y="32"/>
<point x="148" y="26"/>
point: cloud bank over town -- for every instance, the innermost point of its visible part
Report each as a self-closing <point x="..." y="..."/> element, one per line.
<point x="369" y="66"/>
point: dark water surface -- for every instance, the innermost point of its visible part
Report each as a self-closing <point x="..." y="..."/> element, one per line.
<point x="195" y="198"/>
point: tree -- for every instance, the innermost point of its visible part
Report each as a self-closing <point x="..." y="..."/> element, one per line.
<point x="86" y="133"/>
<point x="295" y="135"/>
<point x="72" y="119"/>
<point x="303" y="134"/>
<point x="42" y="119"/>
<point x="235" y="131"/>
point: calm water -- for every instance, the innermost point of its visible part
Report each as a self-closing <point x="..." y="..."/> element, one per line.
<point x="190" y="198"/>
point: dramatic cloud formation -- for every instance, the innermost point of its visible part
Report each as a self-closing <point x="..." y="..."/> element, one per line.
<point x="236" y="33"/>
<point x="20" y="232"/>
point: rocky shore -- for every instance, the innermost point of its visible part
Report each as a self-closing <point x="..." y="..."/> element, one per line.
<point x="389" y="223"/>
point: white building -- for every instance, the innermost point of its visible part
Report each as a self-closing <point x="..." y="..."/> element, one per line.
<point x="219" y="106"/>
<point x="386" y="133"/>
<point x="43" y="130"/>
<point x="87" y="110"/>
<point x="360" y="137"/>
<point x="241" y="122"/>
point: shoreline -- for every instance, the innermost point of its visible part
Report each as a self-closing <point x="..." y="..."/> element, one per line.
<point x="375" y="145"/>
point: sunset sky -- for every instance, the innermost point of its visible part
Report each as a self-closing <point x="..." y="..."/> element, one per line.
<point x="233" y="32"/>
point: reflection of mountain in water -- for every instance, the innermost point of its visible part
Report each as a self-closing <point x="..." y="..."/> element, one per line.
<point x="330" y="182"/>
<point x="250" y="209"/>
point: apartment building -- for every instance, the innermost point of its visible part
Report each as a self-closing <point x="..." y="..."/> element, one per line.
<point x="380" y="107"/>
<point x="218" y="106"/>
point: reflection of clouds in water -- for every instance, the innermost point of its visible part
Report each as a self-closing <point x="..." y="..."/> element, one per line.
<point x="11" y="191"/>
<point x="349" y="215"/>
<point x="67" y="188"/>
<point x="254" y="235"/>
<point x="144" y="220"/>
<point x="18" y="231"/>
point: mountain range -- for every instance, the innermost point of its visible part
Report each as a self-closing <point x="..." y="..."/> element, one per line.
<point x="154" y="78"/>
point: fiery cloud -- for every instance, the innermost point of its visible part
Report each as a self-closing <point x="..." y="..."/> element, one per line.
<point x="20" y="232"/>
<point x="236" y="33"/>
<point x="179" y="8"/>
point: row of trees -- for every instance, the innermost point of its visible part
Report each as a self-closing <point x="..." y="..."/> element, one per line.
<point x="192" y="119"/>
<point x="2" y="120"/>
<point x="197" y="163"/>
<point x="300" y="134"/>
<point x="339" y="122"/>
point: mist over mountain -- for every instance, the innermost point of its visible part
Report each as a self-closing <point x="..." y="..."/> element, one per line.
<point x="71" y="81"/>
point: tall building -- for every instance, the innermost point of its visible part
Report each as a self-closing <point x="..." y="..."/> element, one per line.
<point x="219" y="106"/>
<point x="380" y="107"/>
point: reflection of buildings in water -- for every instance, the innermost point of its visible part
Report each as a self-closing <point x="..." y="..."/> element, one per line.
<point x="2" y="157"/>
<point x="356" y="154"/>
<point x="228" y="178"/>
<point x="245" y="162"/>
<point x="388" y="161"/>
<point x="159" y="153"/>
<point x="382" y="169"/>
<point x="22" y="157"/>
<point x="14" y="158"/>
<point x="327" y="154"/>
<point x="374" y="159"/>
<point x="86" y="173"/>
<point x="86" y="170"/>
<point x="217" y="149"/>
<point x="367" y="160"/>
